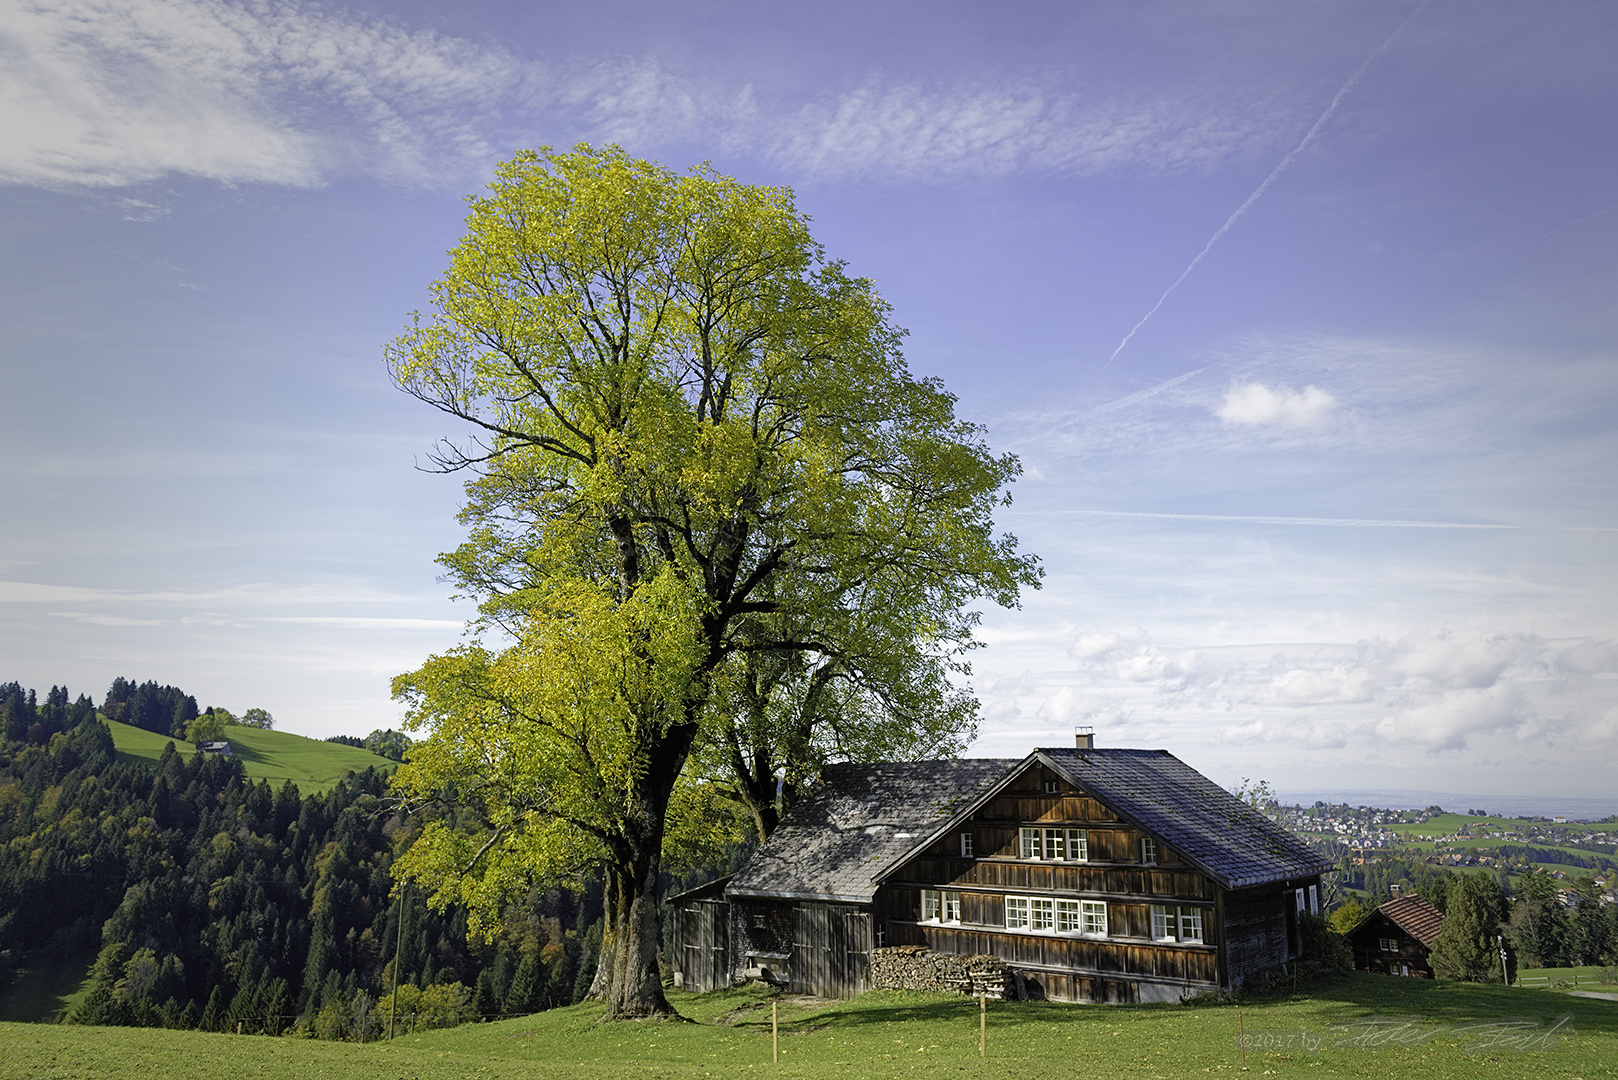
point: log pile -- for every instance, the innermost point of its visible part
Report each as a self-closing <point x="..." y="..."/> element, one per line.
<point x="916" y="967"/>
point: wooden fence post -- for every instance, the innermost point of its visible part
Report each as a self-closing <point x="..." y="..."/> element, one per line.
<point x="775" y="1036"/>
<point x="983" y="1024"/>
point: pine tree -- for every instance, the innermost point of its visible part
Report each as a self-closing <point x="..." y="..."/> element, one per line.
<point x="524" y="987"/>
<point x="213" y="1014"/>
<point x="1467" y="948"/>
<point x="483" y="1000"/>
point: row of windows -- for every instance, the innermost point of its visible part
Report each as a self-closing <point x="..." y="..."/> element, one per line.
<point x="1064" y="845"/>
<point x="1054" y="915"/>
<point x="1061" y="916"/>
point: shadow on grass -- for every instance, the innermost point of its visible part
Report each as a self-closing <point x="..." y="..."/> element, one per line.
<point x="1333" y="1000"/>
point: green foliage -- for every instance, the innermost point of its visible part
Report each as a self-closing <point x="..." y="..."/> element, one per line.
<point x="1325" y="945"/>
<point x="216" y="898"/>
<point x="257" y="718"/>
<point x="388" y="743"/>
<point x="712" y="512"/>
<point x="208" y="727"/>
<point x="1467" y="948"/>
<point x="1347" y="917"/>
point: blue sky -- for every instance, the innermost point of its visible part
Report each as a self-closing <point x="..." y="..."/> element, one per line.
<point x="1341" y="513"/>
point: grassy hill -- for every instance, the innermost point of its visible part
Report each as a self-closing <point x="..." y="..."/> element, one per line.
<point x="267" y="755"/>
<point x="882" y="1035"/>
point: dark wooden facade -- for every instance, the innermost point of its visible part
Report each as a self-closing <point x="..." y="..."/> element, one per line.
<point x="1126" y="963"/>
<point x="1098" y="907"/>
<point x="1389" y="940"/>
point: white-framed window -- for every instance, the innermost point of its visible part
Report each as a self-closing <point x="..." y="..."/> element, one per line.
<point x="966" y="845"/>
<point x="1389" y="944"/>
<point x="1173" y="923"/>
<point x="1052" y="787"/>
<point x="952" y="907"/>
<point x="1016" y="913"/>
<point x="1148" y="850"/>
<point x="1314" y="900"/>
<point x="929" y="905"/>
<point x="1047" y="914"/>
<point x="1056" y="845"/>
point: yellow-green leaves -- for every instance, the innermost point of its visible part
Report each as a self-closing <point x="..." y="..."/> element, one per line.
<point x="709" y="510"/>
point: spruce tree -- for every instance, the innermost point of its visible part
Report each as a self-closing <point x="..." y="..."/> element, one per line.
<point x="524" y="986"/>
<point x="1467" y="949"/>
<point x="483" y="1000"/>
<point x="213" y="1014"/>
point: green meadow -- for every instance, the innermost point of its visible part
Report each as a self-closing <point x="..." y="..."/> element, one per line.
<point x="886" y="1034"/>
<point x="275" y="756"/>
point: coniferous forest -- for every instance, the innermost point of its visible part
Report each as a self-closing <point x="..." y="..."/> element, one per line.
<point x="217" y="902"/>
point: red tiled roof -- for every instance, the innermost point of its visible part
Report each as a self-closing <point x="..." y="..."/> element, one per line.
<point x="1415" y="917"/>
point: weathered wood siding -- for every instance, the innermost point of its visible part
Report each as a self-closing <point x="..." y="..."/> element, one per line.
<point x="831" y="950"/>
<point x="702" y="931"/>
<point x="1256" y="930"/>
<point x="1370" y="956"/>
<point x="1127" y="965"/>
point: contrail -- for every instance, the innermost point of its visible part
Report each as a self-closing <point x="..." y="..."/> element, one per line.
<point x="1111" y="406"/>
<point x="1308" y="138"/>
<point x="1257" y="519"/>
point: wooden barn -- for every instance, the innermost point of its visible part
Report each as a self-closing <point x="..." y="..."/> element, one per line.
<point x="1095" y="874"/>
<point x="1397" y="938"/>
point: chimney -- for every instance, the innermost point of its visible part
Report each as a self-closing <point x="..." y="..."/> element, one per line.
<point x="1084" y="738"/>
<point x="1394" y="889"/>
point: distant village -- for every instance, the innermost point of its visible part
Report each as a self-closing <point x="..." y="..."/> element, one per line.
<point x="1563" y="848"/>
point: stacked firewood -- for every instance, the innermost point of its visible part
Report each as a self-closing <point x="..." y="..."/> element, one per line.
<point x="916" y="967"/>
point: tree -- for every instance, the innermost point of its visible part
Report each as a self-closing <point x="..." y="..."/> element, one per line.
<point x="207" y="727"/>
<point x="258" y="718"/>
<point x="1468" y="947"/>
<point x="700" y="462"/>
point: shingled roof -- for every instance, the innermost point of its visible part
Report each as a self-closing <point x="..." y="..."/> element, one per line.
<point x="1206" y="825"/>
<point x="858" y="822"/>
<point x="1412" y="914"/>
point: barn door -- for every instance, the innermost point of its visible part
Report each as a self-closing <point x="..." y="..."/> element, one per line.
<point x="857" y="944"/>
<point x="718" y="941"/>
<point x="704" y="933"/>
<point x="811" y="950"/>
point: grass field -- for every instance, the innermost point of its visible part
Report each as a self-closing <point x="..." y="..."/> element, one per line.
<point x="1446" y="824"/>
<point x="43" y="987"/>
<point x="884" y="1035"/>
<point x="1583" y="978"/>
<point x="268" y="755"/>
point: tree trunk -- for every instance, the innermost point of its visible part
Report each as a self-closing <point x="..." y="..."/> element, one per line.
<point x="628" y="977"/>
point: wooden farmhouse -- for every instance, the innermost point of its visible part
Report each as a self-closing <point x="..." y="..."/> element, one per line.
<point x="1397" y="938"/>
<point x="1095" y="874"/>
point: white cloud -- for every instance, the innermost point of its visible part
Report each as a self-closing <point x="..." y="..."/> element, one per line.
<point x="912" y="132"/>
<point x="1255" y="403"/>
<point x="96" y="619"/>
<point x="117" y="92"/>
<point x="114" y="92"/>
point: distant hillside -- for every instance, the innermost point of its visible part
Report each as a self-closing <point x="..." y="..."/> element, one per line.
<point x="275" y="756"/>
